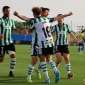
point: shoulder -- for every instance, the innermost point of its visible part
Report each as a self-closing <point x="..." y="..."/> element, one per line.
<point x="82" y="34"/>
<point x="44" y="18"/>
<point x="66" y="25"/>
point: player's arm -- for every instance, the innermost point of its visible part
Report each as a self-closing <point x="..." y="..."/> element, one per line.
<point x="1" y="36"/>
<point x="53" y="32"/>
<point x="71" y="33"/>
<point x="21" y="31"/>
<point x="62" y="16"/>
<point x="22" y="17"/>
<point x="18" y="30"/>
<point x="73" y="36"/>
<point x="53" y="29"/>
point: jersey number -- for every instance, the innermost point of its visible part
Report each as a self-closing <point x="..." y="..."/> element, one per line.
<point x="47" y="32"/>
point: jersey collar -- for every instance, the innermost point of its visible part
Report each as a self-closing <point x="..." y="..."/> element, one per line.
<point x="3" y="17"/>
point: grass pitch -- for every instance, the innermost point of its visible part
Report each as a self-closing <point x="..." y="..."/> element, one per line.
<point x="23" y="60"/>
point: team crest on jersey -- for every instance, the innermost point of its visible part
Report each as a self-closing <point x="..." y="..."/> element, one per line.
<point x="6" y="27"/>
<point x="62" y="32"/>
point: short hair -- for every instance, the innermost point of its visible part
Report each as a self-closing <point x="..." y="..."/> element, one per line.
<point x="82" y="31"/>
<point x="43" y="9"/>
<point x="59" y="14"/>
<point x="5" y="7"/>
<point x="37" y="10"/>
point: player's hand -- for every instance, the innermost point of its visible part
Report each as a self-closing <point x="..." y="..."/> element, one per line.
<point x="1" y="36"/>
<point x="15" y="13"/>
<point x="70" y="13"/>
<point x="25" y="31"/>
<point x="78" y="41"/>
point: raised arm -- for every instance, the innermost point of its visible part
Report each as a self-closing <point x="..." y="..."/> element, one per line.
<point x="22" y="17"/>
<point x="62" y="16"/>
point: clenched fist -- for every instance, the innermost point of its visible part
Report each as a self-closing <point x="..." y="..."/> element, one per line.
<point x="70" y="13"/>
<point x="15" y="13"/>
<point x="25" y="31"/>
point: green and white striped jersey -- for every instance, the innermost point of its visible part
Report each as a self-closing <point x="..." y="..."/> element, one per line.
<point x="5" y="29"/>
<point x="61" y="33"/>
<point x="42" y="30"/>
<point x="34" y="34"/>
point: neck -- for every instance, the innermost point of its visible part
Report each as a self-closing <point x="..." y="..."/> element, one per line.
<point x="61" y="24"/>
<point x="37" y="16"/>
<point x="6" y="17"/>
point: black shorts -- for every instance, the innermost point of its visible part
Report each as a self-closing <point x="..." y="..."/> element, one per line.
<point x="46" y="51"/>
<point x="62" y="49"/>
<point x="6" y="48"/>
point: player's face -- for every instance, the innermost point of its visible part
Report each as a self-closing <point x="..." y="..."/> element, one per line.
<point x="45" y="13"/>
<point x="60" y="21"/>
<point x="6" y="12"/>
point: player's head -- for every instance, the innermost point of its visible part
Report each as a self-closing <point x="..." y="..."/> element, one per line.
<point x="45" y="12"/>
<point x="60" y="21"/>
<point x="36" y="11"/>
<point x="6" y="11"/>
<point x="82" y="31"/>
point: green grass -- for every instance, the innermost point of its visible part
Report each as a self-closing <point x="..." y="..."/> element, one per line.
<point x="23" y="60"/>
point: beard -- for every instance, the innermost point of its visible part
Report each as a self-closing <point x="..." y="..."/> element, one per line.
<point x="6" y="15"/>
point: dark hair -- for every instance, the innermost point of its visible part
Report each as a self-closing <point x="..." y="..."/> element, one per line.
<point x="43" y="9"/>
<point x="37" y="10"/>
<point x="59" y="14"/>
<point x="83" y="31"/>
<point x="5" y="7"/>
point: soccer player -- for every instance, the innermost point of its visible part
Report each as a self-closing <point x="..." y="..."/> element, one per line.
<point x="6" y="42"/>
<point x="61" y="31"/>
<point x="45" y="13"/>
<point x="44" y="40"/>
<point x="81" y="43"/>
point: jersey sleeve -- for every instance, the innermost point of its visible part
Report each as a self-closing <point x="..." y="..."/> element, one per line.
<point x="31" y="24"/>
<point x="13" y="25"/>
<point x="51" y="19"/>
<point x="69" y="29"/>
<point x="53" y="29"/>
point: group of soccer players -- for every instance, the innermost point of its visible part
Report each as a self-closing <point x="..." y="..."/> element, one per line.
<point x="42" y="44"/>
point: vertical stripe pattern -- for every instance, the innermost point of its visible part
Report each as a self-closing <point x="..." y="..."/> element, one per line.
<point x="5" y="29"/>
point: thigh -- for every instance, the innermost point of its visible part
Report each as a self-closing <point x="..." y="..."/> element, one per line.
<point x="2" y="51"/>
<point x="58" y="56"/>
<point x="34" y="50"/>
<point x="66" y="57"/>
